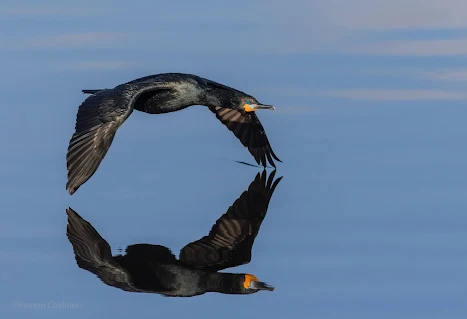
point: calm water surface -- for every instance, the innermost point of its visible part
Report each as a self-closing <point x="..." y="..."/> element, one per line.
<point x="369" y="220"/>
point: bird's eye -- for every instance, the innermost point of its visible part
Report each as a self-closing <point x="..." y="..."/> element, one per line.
<point x="247" y="102"/>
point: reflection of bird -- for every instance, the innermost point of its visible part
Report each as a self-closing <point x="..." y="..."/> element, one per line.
<point x="154" y="269"/>
<point x="101" y="114"/>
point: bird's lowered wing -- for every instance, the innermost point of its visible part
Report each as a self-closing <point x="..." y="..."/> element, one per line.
<point x="248" y="129"/>
<point x="93" y="253"/>
<point x="97" y="121"/>
<point x="231" y="239"/>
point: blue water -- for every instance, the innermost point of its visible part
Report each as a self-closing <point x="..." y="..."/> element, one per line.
<point x="369" y="220"/>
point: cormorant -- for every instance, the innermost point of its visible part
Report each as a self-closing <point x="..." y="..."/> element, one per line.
<point x="154" y="269"/>
<point x="102" y="113"/>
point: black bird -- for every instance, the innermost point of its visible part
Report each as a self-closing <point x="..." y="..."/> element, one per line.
<point x="102" y="113"/>
<point x="154" y="269"/>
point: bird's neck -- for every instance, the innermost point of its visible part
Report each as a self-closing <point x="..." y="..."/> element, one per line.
<point x="215" y="97"/>
<point x="225" y="283"/>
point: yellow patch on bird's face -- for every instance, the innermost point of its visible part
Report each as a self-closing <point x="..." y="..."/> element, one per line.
<point x="248" y="108"/>
<point x="248" y="279"/>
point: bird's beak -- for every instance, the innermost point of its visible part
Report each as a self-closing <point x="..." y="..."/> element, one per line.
<point x="261" y="286"/>
<point x="262" y="107"/>
<point x="255" y="107"/>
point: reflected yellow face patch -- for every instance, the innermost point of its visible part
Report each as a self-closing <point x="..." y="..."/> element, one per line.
<point x="248" y="279"/>
<point x="248" y="108"/>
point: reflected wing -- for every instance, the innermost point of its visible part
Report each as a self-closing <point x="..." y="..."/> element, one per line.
<point x="93" y="253"/>
<point x="231" y="239"/>
<point x="248" y="129"/>
<point x="97" y="121"/>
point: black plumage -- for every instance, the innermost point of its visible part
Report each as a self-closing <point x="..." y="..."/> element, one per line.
<point x="154" y="269"/>
<point x="102" y="113"/>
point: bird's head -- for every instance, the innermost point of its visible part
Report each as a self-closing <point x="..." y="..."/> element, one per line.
<point x="251" y="284"/>
<point x="216" y="94"/>
<point x="250" y="104"/>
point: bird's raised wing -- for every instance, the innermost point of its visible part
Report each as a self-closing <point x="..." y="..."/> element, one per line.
<point x="231" y="239"/>
<point x="93" y="253"/>
<point x="248" y="129"/>
<point x="97" y="121"/>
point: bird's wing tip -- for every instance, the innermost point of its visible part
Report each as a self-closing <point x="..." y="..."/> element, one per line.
<point x="259" y="166"/>
<point x="71" y="190"/>
<point x="71" y="213"/>
<point x="248" y="164"/>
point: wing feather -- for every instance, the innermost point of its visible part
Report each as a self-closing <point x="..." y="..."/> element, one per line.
<point x="93" y="253"/>
<point x="231" y="239"/>
<point x="249" y="130"/>
<point x="97" y="121"/>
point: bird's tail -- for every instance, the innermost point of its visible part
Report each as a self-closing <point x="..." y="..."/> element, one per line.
<point x="90" y="91"/>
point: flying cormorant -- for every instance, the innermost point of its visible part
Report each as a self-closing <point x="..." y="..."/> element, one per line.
<point x="102" y="113"/>
<point x="154" y="269"/>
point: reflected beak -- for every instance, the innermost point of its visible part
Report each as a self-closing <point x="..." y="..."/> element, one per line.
<point x="261" y="286"/>
<point x="262" y="107"/>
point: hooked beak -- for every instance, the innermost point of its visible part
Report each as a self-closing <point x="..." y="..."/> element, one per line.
<point x="255" y="107"/>
<point x="261" y="286"/>
<point x="262" y="107"/>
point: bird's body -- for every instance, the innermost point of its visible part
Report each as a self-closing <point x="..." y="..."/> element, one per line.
<point x="102" y="113"/>
<point x="151" y="268"/>
<point x="173" y="278"/>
